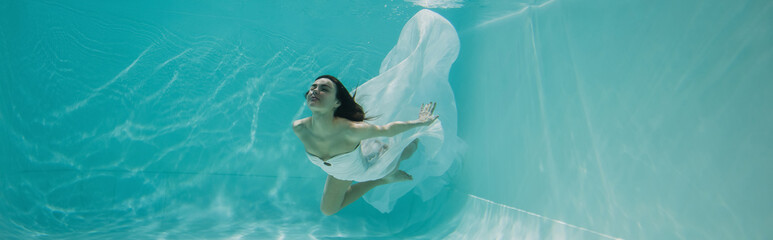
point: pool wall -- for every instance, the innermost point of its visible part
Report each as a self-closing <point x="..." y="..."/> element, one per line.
<point x="583" y="119"/>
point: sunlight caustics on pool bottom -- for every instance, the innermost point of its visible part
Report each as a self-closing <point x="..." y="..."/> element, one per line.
<point x="582" y="119"/>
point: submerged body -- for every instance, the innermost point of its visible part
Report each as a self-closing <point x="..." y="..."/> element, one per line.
<point x="333" y="143"/>
<point x="337" y="134"/>
<point x="362" y="163"/>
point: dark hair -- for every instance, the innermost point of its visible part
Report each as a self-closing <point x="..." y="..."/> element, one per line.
<point x="349" y="109"/>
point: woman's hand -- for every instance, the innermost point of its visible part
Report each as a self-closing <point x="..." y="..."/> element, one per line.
<point x="425" y="115"/>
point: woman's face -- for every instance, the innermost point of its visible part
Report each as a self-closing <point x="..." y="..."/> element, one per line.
<point x="322" y="95"/>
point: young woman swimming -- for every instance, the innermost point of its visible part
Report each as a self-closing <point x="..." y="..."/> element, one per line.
<point x="332" y="137"/>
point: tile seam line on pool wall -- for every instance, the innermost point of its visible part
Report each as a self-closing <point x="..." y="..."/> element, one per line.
<point x="543" y="217"/>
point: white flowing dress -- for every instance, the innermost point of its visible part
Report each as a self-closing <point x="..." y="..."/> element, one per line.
<point x="414" y="72"/>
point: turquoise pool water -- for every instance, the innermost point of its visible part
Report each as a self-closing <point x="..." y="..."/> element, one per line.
<point x="583" y="119"/>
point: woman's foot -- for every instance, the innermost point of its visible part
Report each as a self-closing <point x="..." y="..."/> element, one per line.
<point x="397" y="176"/>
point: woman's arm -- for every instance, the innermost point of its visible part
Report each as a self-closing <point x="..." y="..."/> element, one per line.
<point x="363" y="130"/>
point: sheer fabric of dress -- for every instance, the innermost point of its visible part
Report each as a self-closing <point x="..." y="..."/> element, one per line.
<point x="414" y="72"/>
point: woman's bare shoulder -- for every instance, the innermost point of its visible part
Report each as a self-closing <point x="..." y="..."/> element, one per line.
<point x="354" y="124"/>
<point x="300" y="124"/>
<point x="359" y="130"/>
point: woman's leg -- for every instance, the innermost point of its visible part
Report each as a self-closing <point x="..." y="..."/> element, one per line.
<point x="399" y="175"/>
<point x="333" y="195"/>
<point x="408" y="151"/>
<point x="340" y="193"/>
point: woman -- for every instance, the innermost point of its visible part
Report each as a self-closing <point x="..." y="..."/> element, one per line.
<point x="332" y="137"/>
